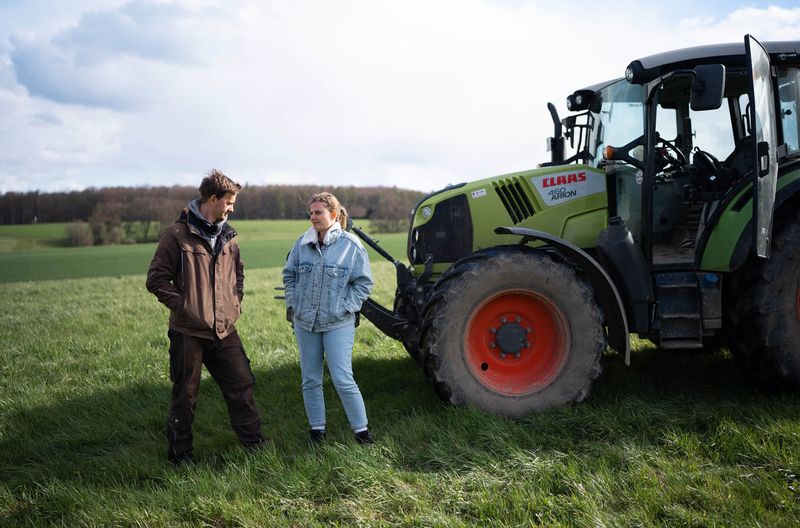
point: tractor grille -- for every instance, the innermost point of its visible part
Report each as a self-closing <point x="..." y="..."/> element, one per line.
<point x="515" y="199"/>
<point x="447" y="237"/>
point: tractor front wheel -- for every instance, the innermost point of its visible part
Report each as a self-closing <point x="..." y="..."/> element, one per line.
<point x="512" y="332"/>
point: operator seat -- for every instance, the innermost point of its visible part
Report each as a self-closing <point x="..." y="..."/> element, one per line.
<point x="714" y="176"/>
<point x="737" y="163"/>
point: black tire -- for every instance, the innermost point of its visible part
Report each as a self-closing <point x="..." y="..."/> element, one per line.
<point x="764" y="319"/>
<point x="512" y="332"/>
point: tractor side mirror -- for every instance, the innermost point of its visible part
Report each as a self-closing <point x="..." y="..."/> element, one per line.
<point x="708" y="87"/>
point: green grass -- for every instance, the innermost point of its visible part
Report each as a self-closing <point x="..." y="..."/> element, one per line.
<point x="31" y="236"/>
<point x="32" y="252"/>
<point x="673" y="440"/>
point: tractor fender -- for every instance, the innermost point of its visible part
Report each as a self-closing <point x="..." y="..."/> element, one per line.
<point x="607" y="294"/>
<point x="786" y="199"/>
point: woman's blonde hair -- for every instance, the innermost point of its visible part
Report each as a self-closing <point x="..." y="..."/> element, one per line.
<point x="331" y="204"/>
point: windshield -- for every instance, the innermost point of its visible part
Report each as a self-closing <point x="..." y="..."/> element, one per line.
<point x="621" y="118"/>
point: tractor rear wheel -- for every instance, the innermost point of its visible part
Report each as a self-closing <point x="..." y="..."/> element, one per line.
<point x="512" y="332"/>
<point x="765" y="317"/>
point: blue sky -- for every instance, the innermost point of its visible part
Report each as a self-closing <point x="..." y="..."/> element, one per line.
<point x="412" y="93"/>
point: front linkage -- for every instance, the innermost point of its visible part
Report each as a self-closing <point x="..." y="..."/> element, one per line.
<point x="402" y="323"/>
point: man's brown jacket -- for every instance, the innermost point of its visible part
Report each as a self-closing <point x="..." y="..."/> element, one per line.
<point x="203" y="291"/>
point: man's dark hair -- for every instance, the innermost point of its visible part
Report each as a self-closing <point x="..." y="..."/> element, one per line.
<point x="217" y="184"/>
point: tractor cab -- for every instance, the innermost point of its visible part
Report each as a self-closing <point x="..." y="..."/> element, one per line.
<point x="677" y="139"/>
<point x="688" y="141"/>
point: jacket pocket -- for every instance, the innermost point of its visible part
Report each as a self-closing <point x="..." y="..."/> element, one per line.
<point x="304" y="283"/>
<point x="197" y="310"/>
<point x="334" y="279"/>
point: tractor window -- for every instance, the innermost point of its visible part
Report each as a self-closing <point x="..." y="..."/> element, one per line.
<point x="744" y="105"/>
<point x="712" y="131"/>
<point x="789" y="95"/>
<point x="708" y="130"/>
<point x="666" y="119"/>
<point x="621" y="117"/>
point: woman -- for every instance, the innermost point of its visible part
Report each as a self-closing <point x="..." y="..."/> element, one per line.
<point x="327" y="277"/>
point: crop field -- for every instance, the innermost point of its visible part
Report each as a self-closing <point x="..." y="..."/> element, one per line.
<point x="676" y="439"/>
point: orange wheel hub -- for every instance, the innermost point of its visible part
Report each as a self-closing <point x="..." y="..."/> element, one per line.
<point x="516" y="342"/>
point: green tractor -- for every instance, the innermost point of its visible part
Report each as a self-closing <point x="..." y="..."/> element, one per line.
<point x="675" y="216"/>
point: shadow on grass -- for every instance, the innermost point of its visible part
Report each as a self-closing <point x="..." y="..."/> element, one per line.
<point x="116" y="436"/>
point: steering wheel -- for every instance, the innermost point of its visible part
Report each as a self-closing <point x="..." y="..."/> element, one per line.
<point x="705" y="161"/>
<point x="668" y="156"/>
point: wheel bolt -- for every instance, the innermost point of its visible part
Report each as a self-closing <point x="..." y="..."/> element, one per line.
<point x="503" y="320"/>
<point x="518" y="320"/>
<point x="516" y="355"/>
<point x="528" y="330"/>
<point x="502" y="355"/>
<point x="493" y="330"/>
<point x="492" y="345"/>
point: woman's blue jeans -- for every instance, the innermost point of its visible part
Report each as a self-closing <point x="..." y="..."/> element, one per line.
<point x="336" y="346"/>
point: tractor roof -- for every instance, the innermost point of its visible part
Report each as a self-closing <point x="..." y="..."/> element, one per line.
<point x="731" y="55"/>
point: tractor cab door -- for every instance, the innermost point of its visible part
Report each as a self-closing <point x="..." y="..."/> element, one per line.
<point x="761" y="120"/>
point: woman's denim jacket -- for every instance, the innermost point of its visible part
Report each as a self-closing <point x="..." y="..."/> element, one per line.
<point x="326" y="283"/>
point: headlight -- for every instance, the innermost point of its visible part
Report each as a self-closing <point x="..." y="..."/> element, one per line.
<point x="427" y="212"/>
<point x="629" y="74"/>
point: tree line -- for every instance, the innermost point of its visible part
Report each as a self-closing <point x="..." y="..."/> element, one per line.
<point x="140" y="204"/>
<point x="138" y="214"/>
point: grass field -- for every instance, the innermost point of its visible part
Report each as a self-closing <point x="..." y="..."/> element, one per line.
<point x="673" y="440"/>
<point x="31" y="236"/>
<point x="38" y="252"/>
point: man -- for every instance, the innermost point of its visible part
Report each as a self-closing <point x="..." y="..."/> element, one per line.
<point x="198" y="274"/>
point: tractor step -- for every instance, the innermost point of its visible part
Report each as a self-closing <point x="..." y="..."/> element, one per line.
<point x="680" y="343"/>
<point x="679" y="310"/>
<point x="679" y="316"/>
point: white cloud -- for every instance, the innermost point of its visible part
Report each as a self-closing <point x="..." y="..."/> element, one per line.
<point x="770" y="23"/>
<point x="114" y="58"/>
<point x="416" y="93"/>
<point x="48" y="146"/>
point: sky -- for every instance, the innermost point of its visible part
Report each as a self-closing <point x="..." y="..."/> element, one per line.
<point x="416" y="94"/>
